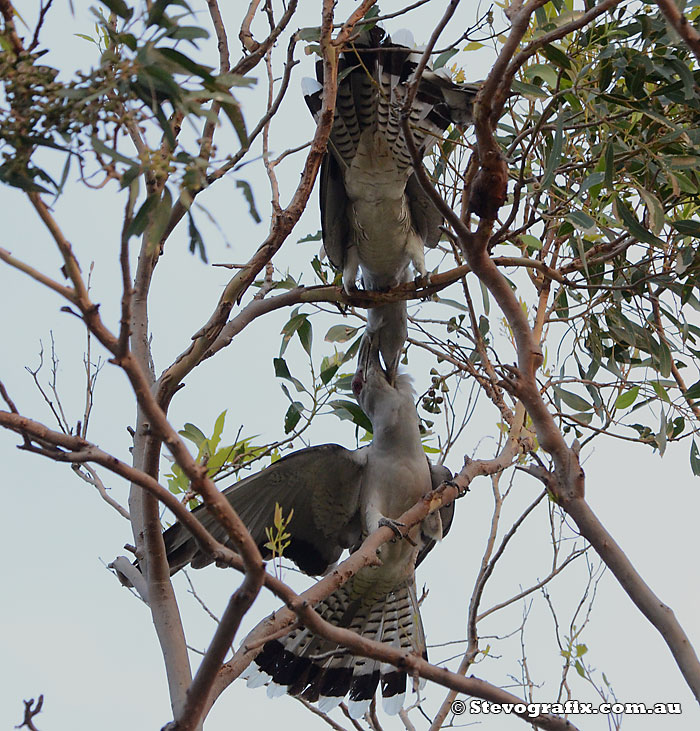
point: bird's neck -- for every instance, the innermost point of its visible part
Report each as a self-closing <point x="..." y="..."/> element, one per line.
<point x="398" y="433"/>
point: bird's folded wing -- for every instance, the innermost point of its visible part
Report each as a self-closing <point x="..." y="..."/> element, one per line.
<point x="438" y="475"/>
<point x="425" y="216"/>
<point x="320" y="484"/>
<point x="335" y="226"/>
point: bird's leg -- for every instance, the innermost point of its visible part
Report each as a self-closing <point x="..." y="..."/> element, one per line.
<point x="422" y="278"/>
<point x="396" y="526"/>
<point x="351" y="266"/>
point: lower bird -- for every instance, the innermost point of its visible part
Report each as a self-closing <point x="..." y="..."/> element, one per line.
<point x="339" y="497"/>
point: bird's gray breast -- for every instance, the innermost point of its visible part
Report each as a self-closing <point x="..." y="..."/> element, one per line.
<point x="378" y="211"/>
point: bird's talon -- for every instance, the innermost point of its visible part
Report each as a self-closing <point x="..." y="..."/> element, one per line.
<point x="395" y="525"/>
<point x="422" y="280"/>
<point x="461" y="491"/>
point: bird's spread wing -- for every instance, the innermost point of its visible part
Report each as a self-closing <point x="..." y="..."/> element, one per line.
<point x="320" y="484"/>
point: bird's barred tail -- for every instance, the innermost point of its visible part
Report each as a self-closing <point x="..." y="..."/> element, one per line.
<point x="302" y="664"/>
<point x="374" y="74"/>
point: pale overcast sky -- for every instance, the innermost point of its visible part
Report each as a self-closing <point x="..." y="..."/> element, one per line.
<point x="71" y="632"/>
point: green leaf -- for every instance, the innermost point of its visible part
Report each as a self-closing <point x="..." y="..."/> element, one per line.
<point x="186" y="64"/>
<point x="582" y="255"/>
<point x="290" y="327"/>
<point x="344" y="383"/>
<point x="579" y="669"/>
<point x="291" y="418"/>
<point x="327" y="373"/>
<point x="444" y="57"/>
<point x="189" y="33"/>
<point x="484" y="325"/>
<point x="350" y="411"/>
<point x="689" y="228"/>
<point x="485" y="298"/>
<point x="450" y="303"/>
<point x="594" y="180"/>
<point x="196" y="240"/>
<point x="352" y="350"/>
<point x="660" y="436"/>
<point x="684" y="259"/>
<point x="562" y="304"/>
<point x="232" y="110"/>
<point x="693" y="392"/>
<point x="655" y="210"/>
<point x="119" y="7"/>
<point x="346" y="72"/>
<point x="556" y="56"/>
<point x="609" y="165"/>
<point x="554" y="155"/>
<point x="193" y="433"/>
<point x="129" y="176"/>
<point x="281" y="368"/>
<point x="309" y="34"/>
<point x="20" y="176"/>
<point x="662" y="357"/>
<point x="282" y="371"/>
<point x="311" y="237"/>
<point x="572" y="400"/>
<point x="581" y="221"/>
<point x="531" y="242"/>
<point x="102" y="149"/>
<point x="660" y="391"/>
<point x="244" y="185"/>
<point x="626" y="216"/>
<point x="340" y="333"/>
<point x="542" y="71"/>
<point x="218" y="430"/>
<point x="160" y="218"/>
<point x="627" y="398"/>
<point x="694" y="459"/>
<point x="140" y="220"/>
<point x="529" y="90"/>
<point x="305" y="335"/>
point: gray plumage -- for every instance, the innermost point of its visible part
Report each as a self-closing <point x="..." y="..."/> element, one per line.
<point x="321" y="484"/>
<point x="339" y="497"/>
<point x="376" y="219"/>
<point x="379" y="601"/>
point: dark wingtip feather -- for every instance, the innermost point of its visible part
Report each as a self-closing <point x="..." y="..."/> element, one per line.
<point x="304" y="683"/>
<point x="336" y="682"/>
<point x="364" y="687"/>
<point x="393" y="683"/>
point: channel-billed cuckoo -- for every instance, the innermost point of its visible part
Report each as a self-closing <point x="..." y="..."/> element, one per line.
<point x="340" y="496"/>
<point x="376" y="219"/>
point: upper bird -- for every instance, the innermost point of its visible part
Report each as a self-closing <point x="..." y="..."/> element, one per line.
<point x="376" y="219"/>
<point x="339" y="497"/>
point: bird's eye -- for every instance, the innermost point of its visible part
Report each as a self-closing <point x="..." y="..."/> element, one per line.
<point x="357" y="384"/>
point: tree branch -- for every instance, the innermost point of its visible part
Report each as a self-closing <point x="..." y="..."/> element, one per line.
<point x="681" y="25"/>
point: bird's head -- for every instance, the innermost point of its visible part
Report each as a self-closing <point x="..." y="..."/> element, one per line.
<point x="373" y="390"/>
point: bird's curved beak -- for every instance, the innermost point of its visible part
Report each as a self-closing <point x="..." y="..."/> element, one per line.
<point x="369" y="366"/>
